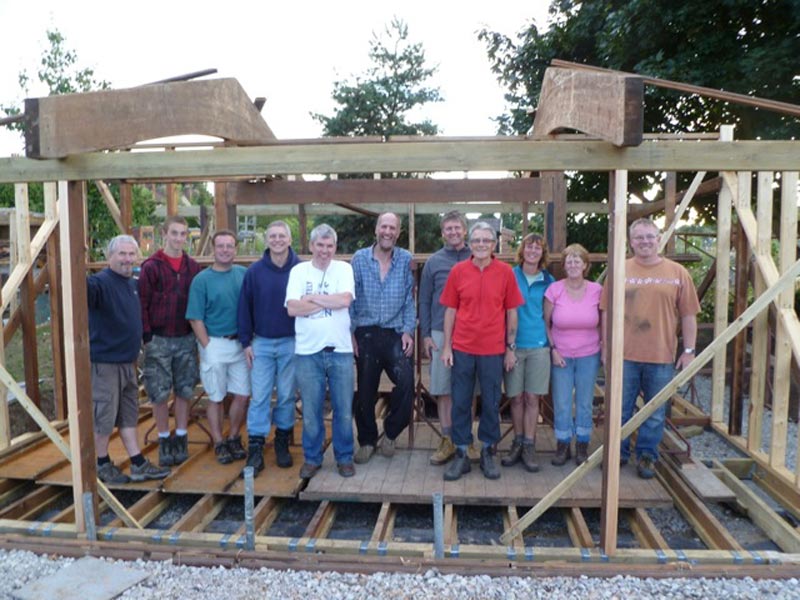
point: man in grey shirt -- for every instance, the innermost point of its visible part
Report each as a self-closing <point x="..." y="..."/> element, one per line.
<point x="431" y="325"/>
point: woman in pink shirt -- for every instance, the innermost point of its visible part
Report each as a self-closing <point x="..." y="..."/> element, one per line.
<point x="572" y="317"/>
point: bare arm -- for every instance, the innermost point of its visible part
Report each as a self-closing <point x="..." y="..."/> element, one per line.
<point x="302" y="308"/>
<point x="200" y="331"/>
<point x="689" y="333"/>
<point x="447" y="346"/>
<point x="547" y="314"/>
<point x="330" y="301"/>
<point x="510" y="358"/>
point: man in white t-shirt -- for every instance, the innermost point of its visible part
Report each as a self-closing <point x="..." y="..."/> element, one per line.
<point x="319" y="294"/>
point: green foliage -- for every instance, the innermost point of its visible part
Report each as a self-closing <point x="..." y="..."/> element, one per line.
<point x="101" y="227"/>
<point x="745" y="46"/>
<point x="379" y="103"/>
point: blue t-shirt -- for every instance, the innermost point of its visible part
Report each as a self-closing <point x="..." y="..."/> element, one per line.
<point x="115" y="318"/>
<point x="531" y="332"/>
<point x="213" y="299"/>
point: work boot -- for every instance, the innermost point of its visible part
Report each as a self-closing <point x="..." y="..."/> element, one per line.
<point x="489" y="468"/>
<point x="581" y="452"/>
<point x="180" y="448"/>
<point x="255" y="454"/>
<point x="563" y="454"/>
<point x="110" y="473"/>
<point x="283" y="457"/>
<point x="235" y="448"/>
<point x="166" y="457"/>
<point x="387" y="447"/>
<point x="458" y="467"/>
<point x="444" y="452"/>
<point x="363" y="454"/>
<point x="514" y="454"/>
<point x="645" y="468"/>
<point x="473" y="453"/>
<point x="529" y="458"/>
<point x="223" y="454"/>
<point x="148" y="470"/>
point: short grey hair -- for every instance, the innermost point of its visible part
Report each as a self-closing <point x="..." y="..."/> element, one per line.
<point x="323" y="230"/>
<point x="279" y="223"/>
<point x="484" y="226"/>
<point x="120" y="239"/>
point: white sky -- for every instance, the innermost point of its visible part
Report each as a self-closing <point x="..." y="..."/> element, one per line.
<point x="289" y="52"/>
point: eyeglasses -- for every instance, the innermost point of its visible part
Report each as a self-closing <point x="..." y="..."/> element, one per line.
<point x="640" y="238"/>
<point x="481" y="241"/>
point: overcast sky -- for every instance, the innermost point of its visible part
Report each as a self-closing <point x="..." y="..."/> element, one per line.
<point x="289" y="52"/>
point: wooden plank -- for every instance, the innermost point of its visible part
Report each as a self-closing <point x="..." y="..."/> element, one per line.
<point x="322" y="521"/>
<point x="614" y="316"/>
<point x="777" y="487"/>
<point x="31" y="504"/>
<point x="609" y="106"/>
<point x="450" y="525"/>
<point x="699" y="477"/>
<point x="146" y="509"/>
<point x="670" y="191"/>
<point x="778" y="530"/>
<point x="126" y="206"/>
<point x="172" y="199"/>
<point x="415" y="157"/>
<point x="706" y="525"/>
<point x="554" y="194"/>
<point x="760" y="336"/>
<point x="510" y="518"/>
<point x="195" y="515"/>
<point x="15" y="320"/>
<point x="5" y="421"/>
<point x="389" y="191"/>
<point x="578" y="529"/>
<point x="787" y="280"/>
<point x="27" y="307"/>
<point x="111" y="204"/>
<point x="384" y="525"/>
<point x="645" y="530"/>
<point x="57" y="126"/>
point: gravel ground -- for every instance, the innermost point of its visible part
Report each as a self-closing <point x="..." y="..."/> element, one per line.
<point x="17" y="568"/>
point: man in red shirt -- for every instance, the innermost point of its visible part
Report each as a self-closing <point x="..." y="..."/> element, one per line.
<point x="170" y="351"/>
<point x="480" y="328"/>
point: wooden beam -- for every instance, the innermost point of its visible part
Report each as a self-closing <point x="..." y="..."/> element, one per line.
<point x="786" y="282"/>
<point x="146" y="509"/>
<point x="385" y="191"/>
<point x="384" y="525"/>
<point x="577" y="528"/>
<point x="554" y="195"/>
<point x="111" y="204"/>
<point x="322" y="521"/>
<point x="76" y="356"/>
<point x="615" y="315"/>
<point x="15" y="320"/>
<point x="686" y="199"/>
<point x="760" y="354"/>
<point x="741" y="285"/>
<point x="27" y="307"/>
<point x="126" y="206"/>
<point x="57" y="126"/>
<point x="192" y="517"/>
<point x="670" y="192"/>
<point x="760" y="513"/>
<point x="415" y="157"/>
<point x="172" y="199"/>
<point x="5" y="422"/>
<point x="606" y="105"/>
<point x="645" y="530"/>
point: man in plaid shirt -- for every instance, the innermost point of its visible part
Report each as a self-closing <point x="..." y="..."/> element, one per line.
<point x="383" y="317"/>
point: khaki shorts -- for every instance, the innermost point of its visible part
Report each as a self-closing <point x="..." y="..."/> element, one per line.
<point x="531" y="373"/>
<point x="440" y="375"/>
<point x="223" y="369"/>
<point x="115" y="396"/>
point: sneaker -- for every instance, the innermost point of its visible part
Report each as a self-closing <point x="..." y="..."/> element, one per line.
<point x="223" y="454"/>
<point x="346" y="469"/>
<point x="645" y="468"/>
<point x="514" y="455"/>
<point x="458" y="467"/>
<point x="180" y="449"/>
<point x="488" y="466"/>
<point x="444" y="452"/>
<point x="110" y="473"/>
<point x="235" y="448"/>
<point x="473" y="453"/>
<point x="387" y="447"/>
<point x="363" y="454"/>
<point x="529" y="458"/>
<point x="166" y="458"/>
<point x="147" y="470"/>
<point x="283" y="457"/>
<point x="307" y="471"/>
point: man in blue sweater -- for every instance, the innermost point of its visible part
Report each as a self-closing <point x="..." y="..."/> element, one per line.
<point x="266" y="332"/>
<point x="115" y="336"/>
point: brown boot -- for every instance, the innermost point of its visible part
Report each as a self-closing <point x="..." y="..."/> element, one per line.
<point x="581" y="452"/>
<point x="563" y="454"/>
<point x="529" y="458"/>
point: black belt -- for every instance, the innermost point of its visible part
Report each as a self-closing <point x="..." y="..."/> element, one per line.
<point x="233" y="336"/>
<point x="329" y="348"/>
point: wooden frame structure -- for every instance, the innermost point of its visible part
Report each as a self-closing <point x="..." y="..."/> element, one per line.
<point x="276" y="169"/>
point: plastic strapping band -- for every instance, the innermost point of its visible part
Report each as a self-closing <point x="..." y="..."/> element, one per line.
<point x="241" y="541"/>
<point x="224" y="541"/>
<point x="293" y="544"/>
<point x="109" y="535"/>
<point x="362" y="549"/>
<point x="681" y="555"/>
<point x="529" y="553"/>
<point x="585" y="555"/>
<point x="757" y="558"/>
<point x="47" y="529"/>
<point x="382" y="548"/>
<point x="603" y="556"/>
<point x="173" y="539"/>
<point x="32" y="529"/>
<point x="511" y="553"/>
<point x="737" y="558"/>
<point x="157" y="537"/>
<point x="310" y="545"/>
<point x="662" y="558"/>
<point x="454" y="551"/>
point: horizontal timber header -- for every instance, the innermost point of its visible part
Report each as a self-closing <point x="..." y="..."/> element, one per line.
<point x="411" y="157"/>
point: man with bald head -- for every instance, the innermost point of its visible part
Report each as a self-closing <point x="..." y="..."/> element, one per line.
<point x="383" y="318"/>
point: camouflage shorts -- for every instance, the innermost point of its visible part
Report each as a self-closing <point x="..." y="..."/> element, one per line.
<point x="170" y="363"/>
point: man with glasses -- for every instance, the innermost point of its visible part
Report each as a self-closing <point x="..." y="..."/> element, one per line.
<point x="481" y="297"/>
<point x="659" y="296"/>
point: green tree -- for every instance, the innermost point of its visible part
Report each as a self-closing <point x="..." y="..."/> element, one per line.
<point x="745" y="46"/>
<point x="380" y="103"/>
<point x="59" y="71"/>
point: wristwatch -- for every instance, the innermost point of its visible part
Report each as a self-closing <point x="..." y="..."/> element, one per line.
<point x="688" y="350"/>
<point x="511" y="346"/>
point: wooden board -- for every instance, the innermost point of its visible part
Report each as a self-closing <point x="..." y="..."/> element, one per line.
<point x="705" y="484"/>
<point x="607" y="105"/>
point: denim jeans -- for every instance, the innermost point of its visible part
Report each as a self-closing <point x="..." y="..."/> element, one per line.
<point x="649" y="378"/>
<point x="489" y="372"/>
<point x="381" y="349"/>
<point x="315" y="373"/>
<point x="273" y="368"/>
<point x="579" y="376"/>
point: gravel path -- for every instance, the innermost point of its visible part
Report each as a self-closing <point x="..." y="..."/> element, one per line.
<point x="18" y="568"/>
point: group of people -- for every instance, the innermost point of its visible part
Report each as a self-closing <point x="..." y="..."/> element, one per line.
<point x="284" y="326"/>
